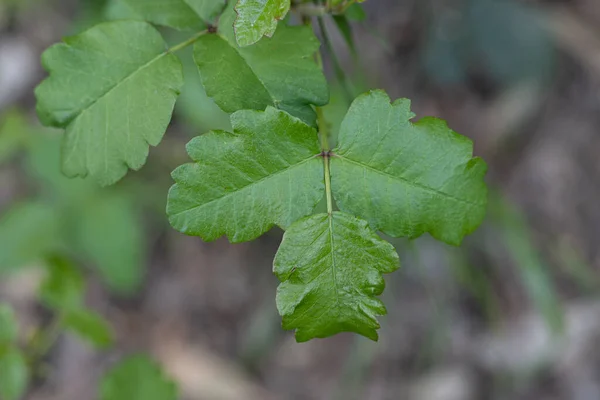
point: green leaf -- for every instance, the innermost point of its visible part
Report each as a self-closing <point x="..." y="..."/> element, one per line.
<point x="119" y="9"/>
<point x="90" y="327"/>
<point x="177" y="14"/>
<point x="109" y="233"/>
<point x="113" y="88"/>
<point x="258" y="18"/>
<point x="265" y="173"/>
<point x="28" y="232"/>
<point x="194" y="107"/>
<point x="14" y="375"/>
<point x="8" y="325"/>
<point x="137" y="378"/>
<point x="331" y="269"/>
<point x="207" y="10"/>
<point x="407" y="178"/>
<point x="279" y="72"/>
<point x="64" y="286"/>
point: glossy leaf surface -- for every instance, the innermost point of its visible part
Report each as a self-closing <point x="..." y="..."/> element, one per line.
<point x="331" y="270"/>
<point x="279" y="72"/>
<point x="258" y="18"/>
<point x="113" y="88"/>
<point x="407" y="178"/>
<point x="267" y="172"/>
<point x="177" y="14"/>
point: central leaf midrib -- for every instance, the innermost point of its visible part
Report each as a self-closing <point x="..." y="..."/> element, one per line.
<point x="244" y="187"/>
<point x="333" y="264"/>
<point x="409" y="183"/>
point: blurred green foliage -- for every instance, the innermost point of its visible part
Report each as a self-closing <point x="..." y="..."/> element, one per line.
<point x="89" y="326"/>
<point x="137" y="378"/>
<point x="63" y="286"/>
<point x="73" y="218"/>
<point x="8" y="325"/>
<point x="14" y="374"/>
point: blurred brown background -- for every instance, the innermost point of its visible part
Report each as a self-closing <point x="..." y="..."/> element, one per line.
<point x="512" y="314"/>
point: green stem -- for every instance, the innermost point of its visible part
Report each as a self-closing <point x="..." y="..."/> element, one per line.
<point x="326" y="159"/>
<point x="324" y="133"/>
<point x="188" y="42"/>
<point x="323" y="129"/>
<point x="337" y="67"/>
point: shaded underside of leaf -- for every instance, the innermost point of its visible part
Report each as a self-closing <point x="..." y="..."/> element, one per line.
<point x="207" y="10"/>
<point x="258" y="18"/>
<point x="119" y="9"/>
<point x="407" y="179"/>
<point x="177" y="14"/>
<point x="241" y="184"/>
<point x="279" y="71"/>
<point x="137" y="378"/>
<point x="113" y="88"/>
<point x="331" y="269"/>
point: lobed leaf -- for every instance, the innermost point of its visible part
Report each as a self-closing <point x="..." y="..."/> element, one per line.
<point x="407" y="178"/>
<point x="113" y="88"/>
<point x="279" y="72"/>
<point x="258" y="18"/>
<point x="331" y="269"/>
<point x="241" y="184"/>
<point x="137" y="378"/>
